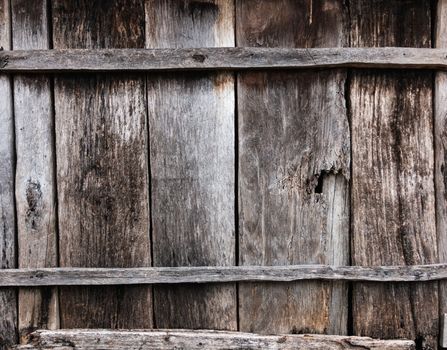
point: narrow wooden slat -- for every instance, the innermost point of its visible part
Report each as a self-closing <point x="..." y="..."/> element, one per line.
<point x="440" y="130"/>
<point x="35" y="180"/>
<point x="294" y="156"/>
<point x="192" y="141"/>
<point x="8" y="297"/>
<point x="200" y="339"/>
<point x="100" y="60"/>
<point x="219" y="274"/>
<point x="102" y="170"/>
<point x="393" y="202"/>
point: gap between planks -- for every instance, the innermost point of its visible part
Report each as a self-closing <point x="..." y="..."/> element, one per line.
<point x="199" y="339"/>
<point x="209" y="274"/>
<point x="235" y="58"/>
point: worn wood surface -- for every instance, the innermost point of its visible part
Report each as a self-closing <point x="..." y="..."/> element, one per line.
<point x="393" y="204"/>
<point x="195" y="340"/>
<point x="35" y="180"/>
<point x="440" y="134"/>
<point x="294" y="157"/>
<point x="228" y="58"/>
<point x="218" y="274"/>
<point x="8" y="297"/>
<point x="102" y="170"/>
<point x="192" y="140"/>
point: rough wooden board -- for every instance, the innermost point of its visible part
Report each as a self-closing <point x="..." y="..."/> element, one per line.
<point x="393" y="204"/>
<point x="217" y="274"/>
<point x="200" y="339"/>
<point x="35" y="180"/>
<point x="8" y="297"/>
<point x="294" y="157"/>
<point x="102" y="170"/>
<point x="440" y="131"/>
<point x="228" y="58"/>
<point x="192" y="140"/>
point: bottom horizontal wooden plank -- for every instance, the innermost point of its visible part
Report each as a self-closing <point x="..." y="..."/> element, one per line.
<point x="199" y="339"/>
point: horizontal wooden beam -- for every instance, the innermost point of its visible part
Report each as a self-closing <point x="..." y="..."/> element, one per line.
<point x="209" y="274"/>
<point x="218" y="59"/>
<point x="200" y="339"/>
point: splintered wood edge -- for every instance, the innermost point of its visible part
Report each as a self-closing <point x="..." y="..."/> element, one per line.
<point x="211" y="274"/>
<point x="75" y="60"/>
<point x="198" y="339"/>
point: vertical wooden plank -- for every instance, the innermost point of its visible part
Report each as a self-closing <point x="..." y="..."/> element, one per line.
<point x="35" y="180"/>
<point x="191" y="128"/>
<point x="440" y="127"/>
<point x="294" y="159"/>
<point x="393" y="204"/>
<point x="8" y="297"/>
<point x="102" y="170"/>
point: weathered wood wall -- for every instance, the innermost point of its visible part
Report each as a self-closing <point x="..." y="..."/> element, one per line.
<point x="335" y="166"/>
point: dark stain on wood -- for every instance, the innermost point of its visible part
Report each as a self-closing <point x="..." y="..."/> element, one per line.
<point x="33" y="198"/>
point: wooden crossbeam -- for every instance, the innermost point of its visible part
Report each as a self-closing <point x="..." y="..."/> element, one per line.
<point x="200" y="339"/>
<point x="209" y="274"/>
<point x="218" y="59"/>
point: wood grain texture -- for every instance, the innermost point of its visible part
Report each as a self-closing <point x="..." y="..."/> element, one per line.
<point x="224" y="58"/>
<point x="35" y="180"/>
<point x="294" y="158"/>
<point x="440" y="134"/>
<point x="71" y="276"/>
<point x="196" y="340"/>
<point x="102" y="170"/>
<point x="393" y="204"/>
<point x="8" y="297"/>
<point x="191" y="128"/>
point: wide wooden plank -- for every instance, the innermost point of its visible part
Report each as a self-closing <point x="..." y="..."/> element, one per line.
<point x="192" y="141"/>
<point x="440" y="131"/>
<point x="393" y="202"/>
<point x="228" y="58"/>
<point x="35" y="164"/>
<point x="102" y="170"/>
<point x="294" y="157"/>
<point x="218" y="274"/>
<point x="8" y="297"/>
<point x="198" y="340"/>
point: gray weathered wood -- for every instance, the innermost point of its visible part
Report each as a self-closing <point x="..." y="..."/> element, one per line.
<point x="393" y="202"/>
<point x="192" y="141"/>
<point x="218" y="274"/>
<point x="8" y="297"/>
<point x="198" y="340"/>
<point x="440" y="131"/>
<point x="35" y="180"/>
<point x="102" y="170"/>
<point x="294" y="157"/>
<point x="240" y="58"/>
